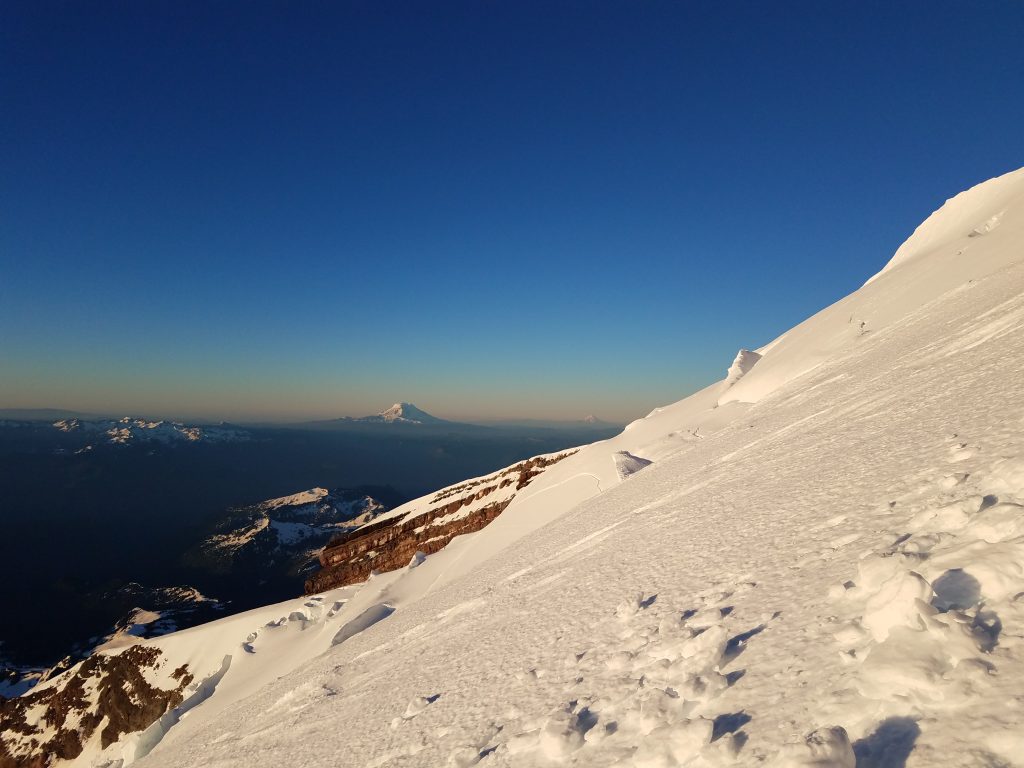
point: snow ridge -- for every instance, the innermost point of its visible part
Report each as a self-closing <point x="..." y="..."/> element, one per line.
<point x="973" y="213"/>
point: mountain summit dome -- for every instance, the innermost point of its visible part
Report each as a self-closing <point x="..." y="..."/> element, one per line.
<point x="406" y="413"/>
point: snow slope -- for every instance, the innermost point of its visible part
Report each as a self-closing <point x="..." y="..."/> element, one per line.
<point x="818" y="561"/>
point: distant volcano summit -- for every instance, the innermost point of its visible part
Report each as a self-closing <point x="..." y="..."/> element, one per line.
<point x="402" y="413"/>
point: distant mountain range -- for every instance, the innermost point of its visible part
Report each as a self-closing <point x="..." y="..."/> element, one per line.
<point x="128" y="430"/>
<point x="409" y="414"/>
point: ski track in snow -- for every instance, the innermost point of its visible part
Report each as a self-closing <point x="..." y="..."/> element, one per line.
<point x="846" y="554"/>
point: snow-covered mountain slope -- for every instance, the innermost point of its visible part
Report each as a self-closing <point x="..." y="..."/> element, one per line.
<point x="816" y="561"/>
<point x="284" y="534"/>
<point x="128" y="430"/>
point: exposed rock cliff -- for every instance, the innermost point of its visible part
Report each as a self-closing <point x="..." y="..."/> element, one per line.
<point x="116" y="691"/>
<point x="426" y="526"/>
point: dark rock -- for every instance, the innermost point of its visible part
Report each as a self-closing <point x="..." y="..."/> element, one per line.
<point x="125" y="699"/>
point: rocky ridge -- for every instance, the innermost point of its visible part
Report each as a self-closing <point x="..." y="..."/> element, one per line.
<point x="112" y="694"/>
<point x="390" y="543"/>
<point x="284" y="536"/>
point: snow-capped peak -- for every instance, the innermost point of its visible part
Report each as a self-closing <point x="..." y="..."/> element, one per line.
<point x="407" y="412"/>
<point x="399" y="413"/>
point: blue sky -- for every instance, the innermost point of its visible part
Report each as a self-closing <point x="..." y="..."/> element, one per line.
<point x="284" y="210"/>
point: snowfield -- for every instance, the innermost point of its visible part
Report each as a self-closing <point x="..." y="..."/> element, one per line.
<point x="818" y="561"/>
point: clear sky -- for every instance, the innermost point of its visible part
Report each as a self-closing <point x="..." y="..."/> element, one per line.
<point x="491" y="209"/>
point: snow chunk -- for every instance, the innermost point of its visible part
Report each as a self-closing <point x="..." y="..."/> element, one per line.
<point x="626" y="463"/>
<point x="744" y="361"/>
<point x="823" y="748"/>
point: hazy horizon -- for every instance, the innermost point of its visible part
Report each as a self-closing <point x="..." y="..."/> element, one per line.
<point x="242" y="418"/>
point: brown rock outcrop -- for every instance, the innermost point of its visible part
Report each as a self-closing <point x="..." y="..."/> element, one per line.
<point x="389" y="544"/>
<point x="109" y="687"/>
